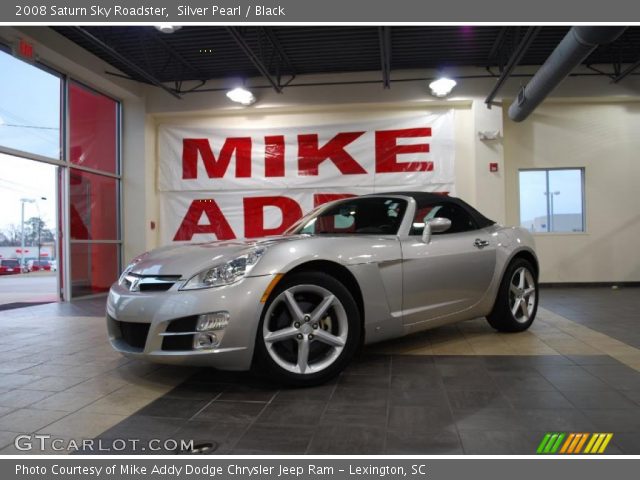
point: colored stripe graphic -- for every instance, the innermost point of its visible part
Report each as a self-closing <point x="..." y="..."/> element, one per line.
<point x="607" y="439"/>
<point x="581" y="443"/>
<point x="556" y="446"/>
<point x="550" y="443"/>
<point x="598" y="443"/>
<point x="568" y="442"/>
<point x="543" y="443"/>
<point x="574" y="443"/>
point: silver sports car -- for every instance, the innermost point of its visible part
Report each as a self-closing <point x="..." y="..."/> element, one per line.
<point x="351" y="272"/>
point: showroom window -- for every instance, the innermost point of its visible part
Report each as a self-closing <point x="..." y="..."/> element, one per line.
<point x="94" y="190"/>
<point x="34" y="130"/>
<point x="76" y="129"/>
<point x="552" y="200"/>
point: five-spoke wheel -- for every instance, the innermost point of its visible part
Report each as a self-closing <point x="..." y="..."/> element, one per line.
<point x="309" y="329"/>
<point x="522" y="294"/>
<point x="517" y="301"/>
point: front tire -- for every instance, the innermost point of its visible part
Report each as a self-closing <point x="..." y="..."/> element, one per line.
<point x="309" y="330"/>
<point x="517" y="301"/>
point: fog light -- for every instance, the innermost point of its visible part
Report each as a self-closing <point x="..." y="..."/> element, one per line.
<point x="205" y="340"/>
<point x="212" y="321"/>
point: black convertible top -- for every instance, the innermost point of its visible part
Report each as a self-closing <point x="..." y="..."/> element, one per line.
<point x="426" y="198"/>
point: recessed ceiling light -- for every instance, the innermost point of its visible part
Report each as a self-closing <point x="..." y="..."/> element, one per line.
<point x="167" y="27"/>
<point x="241" y="95"/>
<point x="442" y="87"/>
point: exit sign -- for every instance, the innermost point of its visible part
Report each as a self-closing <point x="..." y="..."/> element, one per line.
<point x="25" y="49"/>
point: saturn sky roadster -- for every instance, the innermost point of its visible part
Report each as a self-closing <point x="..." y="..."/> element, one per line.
<point x="352" y="272"/>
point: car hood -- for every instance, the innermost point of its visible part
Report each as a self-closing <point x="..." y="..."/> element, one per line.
<point x="188" y="259"/>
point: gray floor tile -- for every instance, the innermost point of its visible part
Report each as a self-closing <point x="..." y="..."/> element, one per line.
<point x="67" y="402"/>
<point x="522" y="420"/>
<point x="526" y="382"/>
<point x="351" y="380"/>
<point x="472" y="399"/>
<point x="248" y="393"/>
<point x="321" y="393"/>
<point x="431" y="380"/>
<point x="29" y="420"/>
<point x="414" y="419"/>
<point x="347" y="440"/>
<point x="370" y="367"/>
<point x="435" y="398"/>
<point x="500" y="442"/>
<point x="593" y="360"/>
<point x="197" y="391"/>
<point x="144" y="428"/>
<point x="607" y="399"/>
<point x="170" y="407"/>
<point x="346" y="414"/>
<point x="633" y="395"/>
<point x="469" y="381"/>
<point x="362" y="396"/>
<point x="537" y="399"/>
<point x="576" y="381"/>
<point x="618" y="421"/>
<point x="445" y="442"/>
<point x="231" y="412"/>
<point x="302" y="413"/>
<point x="22" y="398"/>
<point x="275" y="439"/>
<point x="18" y="380"/>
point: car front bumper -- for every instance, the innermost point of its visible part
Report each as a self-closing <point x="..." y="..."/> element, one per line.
<point x="138" y="322"/>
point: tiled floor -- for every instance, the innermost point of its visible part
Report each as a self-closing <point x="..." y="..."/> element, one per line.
<point x="457" y="389"/>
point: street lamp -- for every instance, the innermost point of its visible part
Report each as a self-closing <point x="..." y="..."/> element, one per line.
<point x="550" y="196"/>
<point x="23" y="201"/>
<point x="39" y="228"/>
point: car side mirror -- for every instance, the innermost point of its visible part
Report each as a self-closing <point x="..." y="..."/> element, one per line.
<point x="435" y="225"/>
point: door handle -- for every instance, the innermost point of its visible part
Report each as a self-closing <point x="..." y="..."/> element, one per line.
<point x="480" y="243"/>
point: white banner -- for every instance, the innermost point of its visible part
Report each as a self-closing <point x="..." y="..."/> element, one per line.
<point x="232" y="183"/>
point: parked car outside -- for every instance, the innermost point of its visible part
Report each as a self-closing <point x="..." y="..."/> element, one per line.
<point x="9" y="266"/>
<point x="38" y="265"/>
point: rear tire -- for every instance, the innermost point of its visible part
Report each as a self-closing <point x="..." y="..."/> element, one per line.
<point x="517" y="301"/>
<point x="309" y="330"/>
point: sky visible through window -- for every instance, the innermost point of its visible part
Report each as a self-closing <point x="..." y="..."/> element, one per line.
<point x="566" y="186"/>
<point x="29" y="122"/>
<point x="29" y="108"/>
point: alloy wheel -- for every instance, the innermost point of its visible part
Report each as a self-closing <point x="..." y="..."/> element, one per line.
<point x="522" y="295"/>
<point x="305" y="329"/>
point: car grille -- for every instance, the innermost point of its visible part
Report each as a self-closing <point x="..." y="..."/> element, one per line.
<point x="134" y="334"/>
<point x="149" y="283"/>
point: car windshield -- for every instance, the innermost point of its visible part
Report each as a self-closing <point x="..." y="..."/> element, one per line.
<point x="10" y="263"/>
<point x="355" y="216"/>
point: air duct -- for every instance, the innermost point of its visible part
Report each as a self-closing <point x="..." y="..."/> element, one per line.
<point x="574" y="48"/>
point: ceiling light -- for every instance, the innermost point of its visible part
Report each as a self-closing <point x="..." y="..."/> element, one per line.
<point x="442" y="87"/>
<point x="167" y="27"/>
<point x="241" y="95"/>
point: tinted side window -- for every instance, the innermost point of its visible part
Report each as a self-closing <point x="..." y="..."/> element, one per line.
<point x="461" y="221"/>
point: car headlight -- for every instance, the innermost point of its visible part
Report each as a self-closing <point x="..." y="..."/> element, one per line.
<point x="226" y="273"/>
